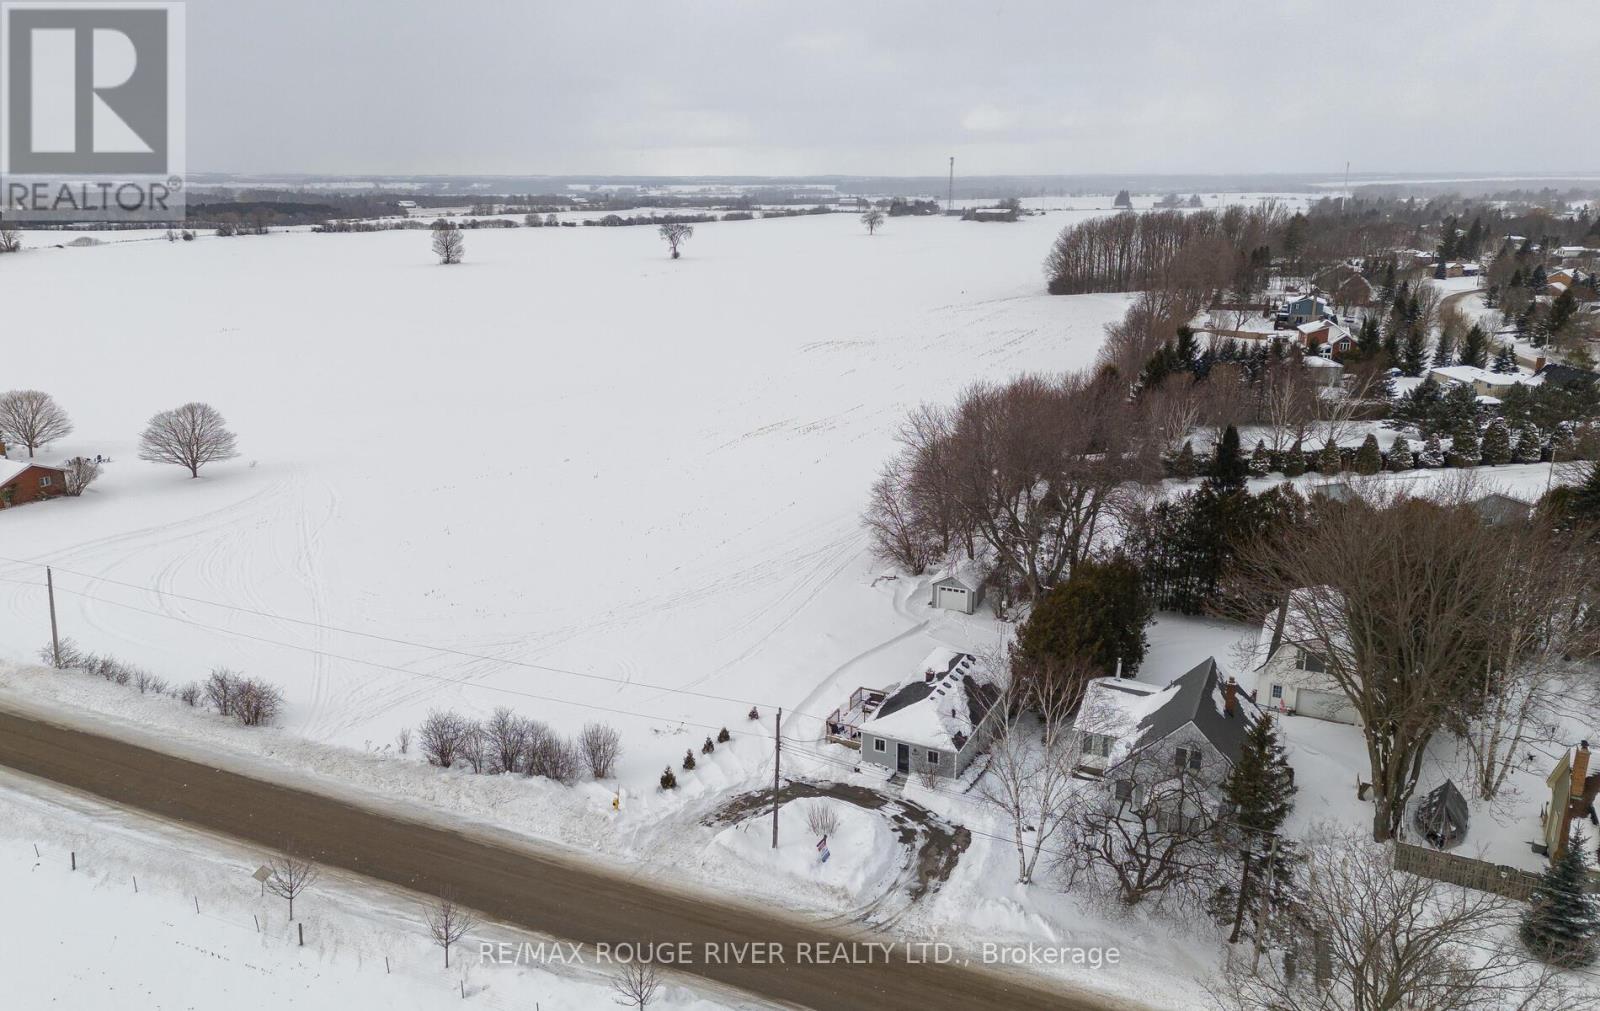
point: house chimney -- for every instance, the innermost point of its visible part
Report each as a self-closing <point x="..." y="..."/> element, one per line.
<point x="1538" y="363"/>
<point x="1229" y="690"/>
<point x="1580" y="768"/>
<point x="927" y="676"/>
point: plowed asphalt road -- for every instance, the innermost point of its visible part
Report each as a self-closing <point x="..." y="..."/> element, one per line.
<point x="530" y="888"/>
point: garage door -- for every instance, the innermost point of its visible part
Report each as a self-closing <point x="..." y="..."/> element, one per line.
<point x="1323" y="706"/>
<point x="953" y="598"/>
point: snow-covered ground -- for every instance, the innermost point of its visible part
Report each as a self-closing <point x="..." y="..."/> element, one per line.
<point x="569" y="475"/>
<point x="133" y="928"/>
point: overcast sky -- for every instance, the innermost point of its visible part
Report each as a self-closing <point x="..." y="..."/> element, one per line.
<point x="883" y="87"/>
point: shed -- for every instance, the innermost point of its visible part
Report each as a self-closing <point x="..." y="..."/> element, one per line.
<point x="1441" y="816"/>
<point x="954" y="593"/>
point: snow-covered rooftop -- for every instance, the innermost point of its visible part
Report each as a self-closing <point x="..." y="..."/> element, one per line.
<point x="949" y="696"/>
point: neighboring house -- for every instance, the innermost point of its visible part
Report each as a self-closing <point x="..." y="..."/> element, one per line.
<point x="1565" y="375"/>
<point x="1483" y="382"/>
<point x="1561" y="275"/>
<point x="956" y="592"/>
<point x="22" y="482"/>
<point x="989" y="214"/>
<point x="1497" y="510"/>
<point x="1293" y="674"/>
<point x="1335" y="491"/>
<point x="1307" y="309"/>
<point x="1573" y="794"/>
<point x="1555" y="288"/>
<point x="1318" y="334"/>
<point x="937" y="722"/>
<point x="1196" y="724"/>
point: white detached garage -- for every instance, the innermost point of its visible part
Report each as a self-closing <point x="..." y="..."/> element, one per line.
<point x="952" y="593"/>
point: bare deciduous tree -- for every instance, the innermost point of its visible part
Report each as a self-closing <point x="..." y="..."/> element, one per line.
<point x="636" y="984"/>
<point x="601" y="747"/>
<point x="507" y="734"/>
<point x="676" y="234"/>
<point x="1153" y="836"/>
<point x="402" y="740"/>
<point x="441" y="737"/>
<point x="1392" y="940"/>
<point x="1397" y="594"/>
<point x="448" y="922"/>
<point x="873" y="219"/>
<point x="32" y="418"/>
<point x="256" y="703"/>
<point x="449" y="245"/>
<point x="822" y="819"/>
<point x="1030" y="774"/>
<point x="191" y="436"/>
<point x="81" y="472"/>
<point x="289" y="876"/>
<point x="10" y="238"/>
<point x="221" y="689"/>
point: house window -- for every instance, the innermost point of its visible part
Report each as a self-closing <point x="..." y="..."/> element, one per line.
<point x="877" y="744"/>
<point x="1309" y="662"/>
<point x="1277" y="691"/>
<point x="1124" y="789"/>
<point x="44" y="480"/>
<point x="1097" y="745"/>
<point x="1188" y="758"/>
<point x="933" y="758"/>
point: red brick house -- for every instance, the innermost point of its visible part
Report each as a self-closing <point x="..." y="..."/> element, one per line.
<point x="22" y="482"/>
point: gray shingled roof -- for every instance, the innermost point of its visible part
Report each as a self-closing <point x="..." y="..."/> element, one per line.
<point x="1198" y="701"/>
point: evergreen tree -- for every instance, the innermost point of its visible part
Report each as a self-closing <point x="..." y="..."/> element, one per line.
<point x="1421" y="406"/>
<point x="1562" y="924"/>
<point x="1529" y="446"/>
<point x="1475" y="348"/>
<point x="1491" y="296"/>
<point x="1328" y="461"/>
<point x="1369" y="339"/>
<point x="1400" y="455"/>
<point x="1458" y="406"/>
<point x="1414" y="353"/>
<point x="1505" y="360"/>
<point x="1294" y="461"/>
<point x="1368" y="459"/>
<point x="1444" y="350"/>
<point x="1229" y="468"/>
<point x="1096" y="617"/>
<point x="1464" y="449"/>
<point x="1583" y="506"/>
<point x="1432" y="454"/>
<point x="1260" y="460"/>
<point x="1260" y="789"/>
<point x="1185" y="467"/>
<point x="1496" y="443"/>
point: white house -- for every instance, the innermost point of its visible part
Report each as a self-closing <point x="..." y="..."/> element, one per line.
<point x="1483" y="382"/>
<point x="956" y="592"/>
<point x="935" y="723"/>
<point x="1293" y="673"/>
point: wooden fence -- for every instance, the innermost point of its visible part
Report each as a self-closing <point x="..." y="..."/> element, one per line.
<point x="1469" y="873"/>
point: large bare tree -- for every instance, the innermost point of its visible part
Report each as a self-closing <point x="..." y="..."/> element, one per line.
<point x="872" y="218"/>
<point x="33" y="418"/>
<point x="1398" y="595"/>
<point x="676" y="233"/>
<point x="191" y="436"/>
<point x="636" y="984"/>
<point x="10" y="238"/>
<point x="449" y="245"/>
<point x="1382" y="940"/>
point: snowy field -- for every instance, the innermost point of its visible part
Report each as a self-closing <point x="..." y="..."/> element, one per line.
<point x="569" y="475"/>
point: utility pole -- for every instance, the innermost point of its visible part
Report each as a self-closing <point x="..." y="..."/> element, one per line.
<point x="55" y="640"/>
<point x="777" y="757"/>
<point x="950" y="197"/>
<point x="1346" y="195"/>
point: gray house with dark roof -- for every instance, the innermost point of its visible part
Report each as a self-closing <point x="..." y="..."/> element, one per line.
<point x="937" y="721"/>
<point x="1197" y="724"/>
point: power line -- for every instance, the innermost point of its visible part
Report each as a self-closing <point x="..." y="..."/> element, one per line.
<point x="391" y="640"/>
<point x="462" y="682"/>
